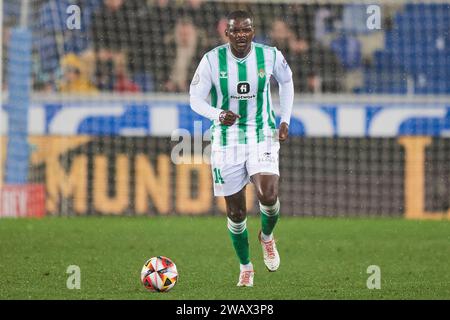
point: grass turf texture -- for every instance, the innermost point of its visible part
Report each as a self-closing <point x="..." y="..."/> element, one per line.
<point x="320" y="258"/>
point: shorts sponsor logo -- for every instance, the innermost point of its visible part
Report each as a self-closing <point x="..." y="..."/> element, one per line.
<point x="267" y="157"/>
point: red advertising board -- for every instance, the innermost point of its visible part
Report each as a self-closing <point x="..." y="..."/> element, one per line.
<point x="27" y="200"/>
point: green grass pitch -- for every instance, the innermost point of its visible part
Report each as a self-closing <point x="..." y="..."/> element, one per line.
<point x="320" y="258"/>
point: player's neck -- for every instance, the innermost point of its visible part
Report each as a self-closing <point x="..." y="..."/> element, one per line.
<point x="242" y="55"/>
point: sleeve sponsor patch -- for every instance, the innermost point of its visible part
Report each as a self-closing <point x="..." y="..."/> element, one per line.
<point x="196" y="79"/>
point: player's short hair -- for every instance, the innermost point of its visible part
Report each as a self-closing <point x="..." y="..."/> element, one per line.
<point x="240" y="14"/>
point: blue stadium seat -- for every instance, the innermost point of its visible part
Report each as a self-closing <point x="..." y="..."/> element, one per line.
<point x="417" y="47"/>
<point x="348" y="49"/>
<point x="385" y="82"/>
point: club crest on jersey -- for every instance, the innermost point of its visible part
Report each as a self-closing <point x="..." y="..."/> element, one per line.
<point x="223" y="74"/>
<point x="243" y="87"/>
<point x="262" y="73"/>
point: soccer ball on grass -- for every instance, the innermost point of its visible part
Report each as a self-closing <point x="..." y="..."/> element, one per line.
<point x="159" y="274"/>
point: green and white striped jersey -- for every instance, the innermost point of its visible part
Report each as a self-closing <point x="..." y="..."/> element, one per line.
<point x="241" y="85"/>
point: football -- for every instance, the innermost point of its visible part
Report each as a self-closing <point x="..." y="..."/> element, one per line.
<point x="159" y="274"/>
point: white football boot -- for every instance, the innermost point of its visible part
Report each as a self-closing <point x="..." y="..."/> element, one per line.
<point x="246" y="278"/>
<point x="270" y="253"/>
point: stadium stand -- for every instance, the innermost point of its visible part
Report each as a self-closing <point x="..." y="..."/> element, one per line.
<point x="414" y="57"/>
<point x="417" y="49"/>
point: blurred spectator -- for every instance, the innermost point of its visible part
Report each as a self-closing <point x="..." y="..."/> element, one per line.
<point x="202" y="13"/>
<point x="282" y="36"/>
<point x="187" y="44"/>
<point x="122" y="81"/>
<point x="74" y="76"/>
<point x="119" y="32"/>
<point x="11" y="13"/>
<point x="325" y="67"/>
<point x="284" y="39"/>
<point x="298" y="16"/>
<point x="164" y="16"/>
<point x="53" y="39"/>
<point x="162" y="20"/>
<point x="301" y="18"/>
<point x="315" y="68"/>
<point x="219" y="37"/>
<point x="326" y="21"/>
<point x="194" y="10"/>
<point x="348" y="49"/>
<point x="354" y="19"/>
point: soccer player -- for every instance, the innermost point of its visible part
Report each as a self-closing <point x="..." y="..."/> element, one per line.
<point x="245" y="141"/>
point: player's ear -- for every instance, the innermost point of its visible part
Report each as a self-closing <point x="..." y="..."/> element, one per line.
<point x="226" y="32"/>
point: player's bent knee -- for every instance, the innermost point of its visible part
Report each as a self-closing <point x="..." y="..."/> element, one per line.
<point x="237" y="215"/>
<point x="268" y="198"/>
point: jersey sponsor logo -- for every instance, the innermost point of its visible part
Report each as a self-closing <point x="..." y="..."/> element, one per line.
<point x="196" y="79"/>
<point x="223" y="74"/>
<point x="242" y="97"/>
<point x="243" y="87"/>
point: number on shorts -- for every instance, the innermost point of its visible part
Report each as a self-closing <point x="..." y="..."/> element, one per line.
<point x="218" y="177"/>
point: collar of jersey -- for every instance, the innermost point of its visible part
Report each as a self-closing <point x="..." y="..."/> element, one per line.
<point x="241" y="59"/>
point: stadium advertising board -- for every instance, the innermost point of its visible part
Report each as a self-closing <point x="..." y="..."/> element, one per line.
<point x="320" y="177"/>
<point x="22" y="200"/>
<point x="100" y="117"/>
<point x="114" y="158"/>
<point x="120" y="175"/>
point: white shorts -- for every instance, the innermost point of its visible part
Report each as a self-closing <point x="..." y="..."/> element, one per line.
<point x="232" y="166"/>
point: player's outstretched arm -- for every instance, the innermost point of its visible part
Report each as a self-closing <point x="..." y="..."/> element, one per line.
<point x="203" y="108"/>
<point x="286" y="92"/>
<point x="199" y="91"/>
<point x="283" y="75"/>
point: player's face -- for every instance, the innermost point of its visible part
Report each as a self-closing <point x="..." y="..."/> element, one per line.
<point x="240" y="33"/>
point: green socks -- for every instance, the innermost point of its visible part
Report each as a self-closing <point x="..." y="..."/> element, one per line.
<point x="239" y="234"/>
<point x="269" y="217"/>
<point x="239" y="237"/>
